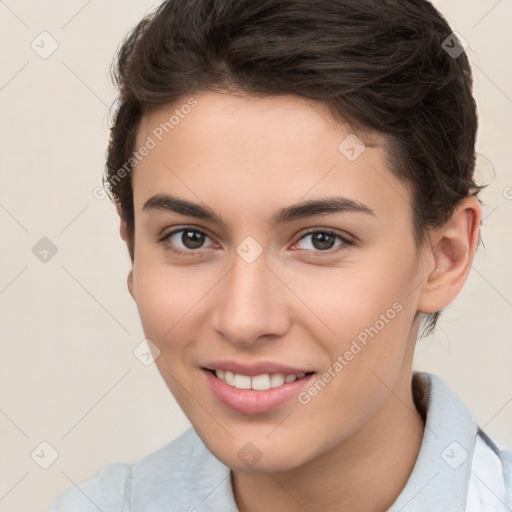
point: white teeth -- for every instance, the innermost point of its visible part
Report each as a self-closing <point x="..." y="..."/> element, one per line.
<point x="258" y="382"/>
<point x="276" y="380"/>
<point x="242" y="381"/>
<point x="229" y="378"/>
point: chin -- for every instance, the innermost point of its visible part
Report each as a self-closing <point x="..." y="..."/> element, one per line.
<point x="251" y="457"/>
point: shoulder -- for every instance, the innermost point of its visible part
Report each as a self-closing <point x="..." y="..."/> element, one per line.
<point x="117" y="485"/>
<point x="490" y="484"/>
<point x="472" y="468"/>
<point x="106" y="491"/>
<point x="505" y="454"/>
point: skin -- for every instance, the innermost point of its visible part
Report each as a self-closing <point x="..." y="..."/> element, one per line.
<point x="354" y="445"/>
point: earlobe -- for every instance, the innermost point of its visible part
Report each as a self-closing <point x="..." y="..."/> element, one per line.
<point x="130" y="283"/>
<point x="122" y="224"/>
<point x="453" y="249"/>
<point x="122" y="230"/>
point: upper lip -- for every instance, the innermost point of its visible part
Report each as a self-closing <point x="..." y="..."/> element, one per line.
<point x="256" y="368"/>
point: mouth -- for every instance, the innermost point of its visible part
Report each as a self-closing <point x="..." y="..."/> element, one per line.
<point x="255" y="394"/>
<point x="261" y="382"/>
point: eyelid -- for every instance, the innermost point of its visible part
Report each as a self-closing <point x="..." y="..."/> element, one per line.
<point x="346" y="240"/>
<point x="166" y="235"/>
<point x="184" y="227"/>
<point x="331" y="231"/>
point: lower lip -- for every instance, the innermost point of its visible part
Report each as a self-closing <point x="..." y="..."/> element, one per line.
<point x="251" y="401"/>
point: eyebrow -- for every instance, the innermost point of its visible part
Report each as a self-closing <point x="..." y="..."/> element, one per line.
<point x="301" y="210"/>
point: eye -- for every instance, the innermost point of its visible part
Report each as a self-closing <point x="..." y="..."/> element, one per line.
<point x="190" y="241"/>
<point x="185" y="241"/>
<point x="324" y="241"/>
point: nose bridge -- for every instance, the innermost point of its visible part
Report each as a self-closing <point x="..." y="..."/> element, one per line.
<point x="251" y="304"/>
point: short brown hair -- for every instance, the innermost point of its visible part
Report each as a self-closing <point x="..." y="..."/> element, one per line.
<point x="378" y="65"/>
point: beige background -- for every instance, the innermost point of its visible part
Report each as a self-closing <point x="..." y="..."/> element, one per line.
<point x="69" y="327"/>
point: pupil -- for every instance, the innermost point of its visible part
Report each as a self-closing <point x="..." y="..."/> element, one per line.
<point x="192" y="239"/>
<point x="323" y="241"/>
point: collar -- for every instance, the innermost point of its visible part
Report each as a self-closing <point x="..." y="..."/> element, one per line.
<point x="440" y="477"/>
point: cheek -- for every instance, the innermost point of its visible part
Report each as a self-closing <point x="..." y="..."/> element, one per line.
<point x="366" y="355"/>
<point x="164" y="297"/>
<point x="362" y="316"/>
<point x="342" y="302"/>
<point x="167" y="301"/>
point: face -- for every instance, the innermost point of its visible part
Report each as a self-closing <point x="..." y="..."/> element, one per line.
<point x="267" y="247"/>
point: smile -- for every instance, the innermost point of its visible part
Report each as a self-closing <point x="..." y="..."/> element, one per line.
<point x="257" y="382"/>
<point x="255" y="394"/>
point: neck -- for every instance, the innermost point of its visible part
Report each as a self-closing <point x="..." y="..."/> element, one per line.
<point x="365" y="472"/>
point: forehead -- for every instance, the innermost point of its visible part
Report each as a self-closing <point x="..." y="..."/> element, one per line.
<point x="242" y="149"/>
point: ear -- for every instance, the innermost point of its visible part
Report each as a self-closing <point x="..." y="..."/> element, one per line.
<point x="129" y="281"/>
<point x="452" y="251"/>
<point x="122" y="226"/>
<point x="122" y="232"/>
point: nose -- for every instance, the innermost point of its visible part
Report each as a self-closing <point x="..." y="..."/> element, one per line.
<point x="251" y="303"/>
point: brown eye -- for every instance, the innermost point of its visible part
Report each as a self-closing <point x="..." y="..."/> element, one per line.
<point x="323" y="241"/>
<point x="192" y="239"/>
<point x="185" y="240"/>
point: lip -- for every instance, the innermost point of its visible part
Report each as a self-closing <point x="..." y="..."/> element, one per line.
<point x="253" y="369"/>
<point x="251" y="401"/>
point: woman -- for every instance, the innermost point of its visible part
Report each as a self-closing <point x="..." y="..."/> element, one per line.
<point x="294" y="181"/>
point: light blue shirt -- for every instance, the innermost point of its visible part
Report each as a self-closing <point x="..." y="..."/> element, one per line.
<point x="458" y="469"/>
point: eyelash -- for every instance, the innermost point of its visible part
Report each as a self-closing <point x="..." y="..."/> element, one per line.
<point x="346" y="242"/>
